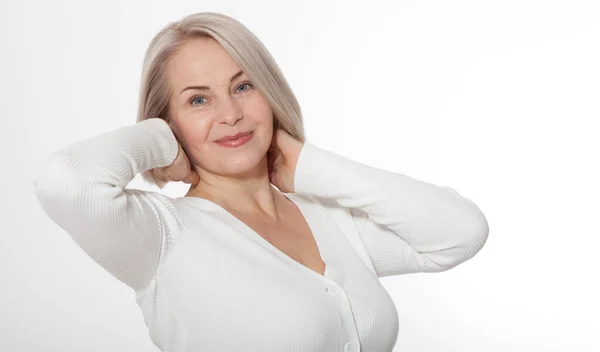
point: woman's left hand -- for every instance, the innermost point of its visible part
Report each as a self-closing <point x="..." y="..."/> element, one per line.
<point x="282" y="158"/>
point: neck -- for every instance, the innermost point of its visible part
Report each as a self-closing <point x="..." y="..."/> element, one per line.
<point x="254" y="197"/>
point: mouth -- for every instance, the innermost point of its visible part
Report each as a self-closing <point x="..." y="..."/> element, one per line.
<point x="237" y="136"/>
<point x="241" y="140"/>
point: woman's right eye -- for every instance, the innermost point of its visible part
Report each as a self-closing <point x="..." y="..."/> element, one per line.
<point x="196" y="100"/>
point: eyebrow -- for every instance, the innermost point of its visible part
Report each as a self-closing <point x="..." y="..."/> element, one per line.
<point x="206" y="87"/>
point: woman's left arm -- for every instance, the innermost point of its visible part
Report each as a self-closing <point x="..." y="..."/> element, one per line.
<point x="407" y="225"/>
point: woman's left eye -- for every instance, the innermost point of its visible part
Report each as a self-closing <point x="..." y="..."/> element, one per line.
<point x="245" y="84"/>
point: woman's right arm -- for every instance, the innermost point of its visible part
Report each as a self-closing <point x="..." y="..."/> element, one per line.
<point x="82" y="188"/>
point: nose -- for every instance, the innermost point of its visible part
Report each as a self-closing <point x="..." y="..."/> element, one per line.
<point x="230" y="111"/>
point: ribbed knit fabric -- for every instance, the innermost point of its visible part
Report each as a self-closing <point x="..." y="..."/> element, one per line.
<point x="205" y="281"/>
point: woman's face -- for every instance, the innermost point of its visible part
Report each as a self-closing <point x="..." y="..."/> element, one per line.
<point x="211" y="98"/>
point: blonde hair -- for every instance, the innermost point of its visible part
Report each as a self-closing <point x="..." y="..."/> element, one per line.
<point x="245" y="49"/>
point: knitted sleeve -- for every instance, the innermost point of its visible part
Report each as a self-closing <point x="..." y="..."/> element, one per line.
<point x="406" y="225"/>
<point x="82" y="188"/>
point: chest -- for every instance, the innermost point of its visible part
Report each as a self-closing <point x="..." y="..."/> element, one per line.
<point x="293" y="237"/>
<point x="220" y="277"/>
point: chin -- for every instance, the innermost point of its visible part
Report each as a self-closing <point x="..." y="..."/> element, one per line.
<point x="236" y="164"/>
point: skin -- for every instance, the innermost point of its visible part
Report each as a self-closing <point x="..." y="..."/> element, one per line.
<point x="238" y="179"/>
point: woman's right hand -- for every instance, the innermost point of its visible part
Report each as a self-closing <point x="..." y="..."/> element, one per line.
<point x="179" y="170"/>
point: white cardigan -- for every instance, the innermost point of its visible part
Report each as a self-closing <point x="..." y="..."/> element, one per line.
<point x="205" y="281"/>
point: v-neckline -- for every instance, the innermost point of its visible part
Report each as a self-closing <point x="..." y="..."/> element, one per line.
<point x="240" y="224"/>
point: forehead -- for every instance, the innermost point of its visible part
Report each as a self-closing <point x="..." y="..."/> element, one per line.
<point x="201" y="61"/>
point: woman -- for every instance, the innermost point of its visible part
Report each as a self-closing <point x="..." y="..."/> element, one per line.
<point x="237" y="264"/>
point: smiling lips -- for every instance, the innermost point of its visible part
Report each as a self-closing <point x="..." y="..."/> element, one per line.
<point x="239" y="139"/>
<point x="235" y="136"/>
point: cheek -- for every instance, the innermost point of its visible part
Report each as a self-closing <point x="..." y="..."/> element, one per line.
<point x="257" y="107"/>
<point x="194" y="133"/>
<point x="193" y="127"/>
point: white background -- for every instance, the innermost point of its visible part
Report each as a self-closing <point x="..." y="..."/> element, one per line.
<point x="497" y="99"/>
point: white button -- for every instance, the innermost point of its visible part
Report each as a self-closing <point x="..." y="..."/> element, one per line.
<point x="350" y="347"/>
<point x="331" y="290"/>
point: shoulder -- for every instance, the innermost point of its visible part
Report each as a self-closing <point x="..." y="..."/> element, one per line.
<point x="164" y="207"/>
<point x="347" y="221"/>
<point x="328" y="207"/>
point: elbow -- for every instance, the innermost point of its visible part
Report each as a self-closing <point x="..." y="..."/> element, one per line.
<point x="45" y="180"/>
<point x="475" y="242"/>
<point x="469" y="244"/>
<point x="54" y="180"/>
<point x="474" y="235"/>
